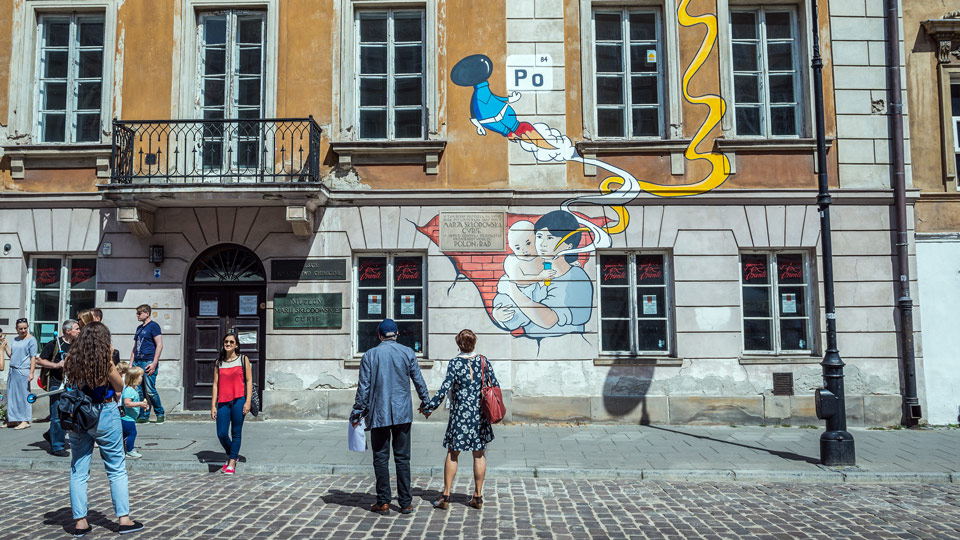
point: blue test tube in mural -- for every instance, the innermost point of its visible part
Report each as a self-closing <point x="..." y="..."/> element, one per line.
<point x="547" y="265"/>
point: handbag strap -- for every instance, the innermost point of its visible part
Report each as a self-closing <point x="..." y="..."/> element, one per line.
<point x="483" y="371"/>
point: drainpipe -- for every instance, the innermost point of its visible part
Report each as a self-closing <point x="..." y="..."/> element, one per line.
<point x="911" y="404"/>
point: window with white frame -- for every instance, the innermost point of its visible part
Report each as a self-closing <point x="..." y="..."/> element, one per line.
<point x="70" y="77"/>
<point x="635" y="303"/>
<point x="60" y="287"/>
<point x="766" y="53"/>
<point x="629" y="67"/>
<point x="391" y="286"/>
<point x="777" y="302"/>
<point x="231" y="86"/>
<point x="391" y="72"/>
<point x="955" y="116"/>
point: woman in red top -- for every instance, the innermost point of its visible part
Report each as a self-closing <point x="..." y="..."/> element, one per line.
<point x="230" y="398"/>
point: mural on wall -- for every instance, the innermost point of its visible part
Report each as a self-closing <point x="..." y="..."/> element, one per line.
<point x="537" y="287"/>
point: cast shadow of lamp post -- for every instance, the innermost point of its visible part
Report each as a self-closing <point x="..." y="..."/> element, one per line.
<point x="625" y="389"/>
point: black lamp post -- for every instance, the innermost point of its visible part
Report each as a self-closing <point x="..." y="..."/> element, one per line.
<point x="836" y="444"/>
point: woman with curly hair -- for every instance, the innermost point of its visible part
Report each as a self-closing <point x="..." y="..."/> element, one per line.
<point x="89" y="368"/>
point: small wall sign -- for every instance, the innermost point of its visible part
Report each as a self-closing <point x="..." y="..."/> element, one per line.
<point x="308" y="270"/>
<point x="317" y="310"/>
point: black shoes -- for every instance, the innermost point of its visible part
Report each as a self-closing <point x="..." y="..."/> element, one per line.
<point x="60" y="453"/>
<point x="77" y="533"/>
<point x="137" y="526"/>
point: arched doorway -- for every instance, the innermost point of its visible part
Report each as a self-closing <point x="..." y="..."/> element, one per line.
<point x="226" y="291"/>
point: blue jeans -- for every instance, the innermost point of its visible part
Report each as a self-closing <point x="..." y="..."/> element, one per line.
<point x="129" y="434"/>
<point x="57" y="435"/>
<point x="230" y="417"/>
<point x="148" y="389"/>
<point x="109" y="435"/>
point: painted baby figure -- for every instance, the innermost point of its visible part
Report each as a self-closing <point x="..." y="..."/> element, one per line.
<point x="525" y="267"/>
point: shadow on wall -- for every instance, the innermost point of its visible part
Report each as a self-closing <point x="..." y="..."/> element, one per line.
<point x="625" y="393"/>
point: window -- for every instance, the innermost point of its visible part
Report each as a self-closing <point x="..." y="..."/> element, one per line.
<point x="60" y="288"/>
<point x="232" y="65"/>
<point x="391" y="286"/>
<point x="390" y="85"/>
<point x="70" y="74"/>
<point x="776" y="304"/>
<point x="629" y="65"/>
<point x="766" y="75"/>
<point x="955" y="112"/>
<point x="634" y="304"/>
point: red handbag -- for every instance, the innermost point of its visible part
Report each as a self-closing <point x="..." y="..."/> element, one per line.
<point x="491" y="399"/>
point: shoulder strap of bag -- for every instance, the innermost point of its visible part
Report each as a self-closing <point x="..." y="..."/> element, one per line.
<point x="483" y="371"/>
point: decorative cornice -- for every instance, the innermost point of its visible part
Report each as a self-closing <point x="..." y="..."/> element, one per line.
<point x="945" y="31"/>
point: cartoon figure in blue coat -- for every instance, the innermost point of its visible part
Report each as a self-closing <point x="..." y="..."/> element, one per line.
<point x="488" y="110"/>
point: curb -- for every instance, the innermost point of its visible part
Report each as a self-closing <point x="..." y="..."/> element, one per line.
<point x="824" y="476"/>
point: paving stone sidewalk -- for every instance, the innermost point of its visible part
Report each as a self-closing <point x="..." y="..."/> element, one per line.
<point x="210" y="506"/>
<point x="545" y="451"/>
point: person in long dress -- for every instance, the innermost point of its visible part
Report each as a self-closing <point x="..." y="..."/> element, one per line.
<point x="22" y="351"/>
<point x="467" y="428"/>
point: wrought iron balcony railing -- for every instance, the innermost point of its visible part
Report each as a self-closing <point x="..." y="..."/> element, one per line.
<point x="221" y="151"/>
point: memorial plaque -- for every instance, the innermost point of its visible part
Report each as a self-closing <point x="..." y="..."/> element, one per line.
<point x="308" y="270"/>
<point x="319" y="310"/>
<point x="472" y="231"/>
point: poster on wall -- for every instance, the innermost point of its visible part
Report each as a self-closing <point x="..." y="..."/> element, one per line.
<point x="789" y="302"/>
<point x="407" y="304"/>
<point x="248" y="305"/>
<point x="649" y="304"/>
<point x="247" y="338"/>
<point x="374" y="304"/>
<point x="208" y="308"/>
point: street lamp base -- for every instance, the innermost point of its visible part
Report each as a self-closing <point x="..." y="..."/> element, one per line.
<point x="837" y="449"/>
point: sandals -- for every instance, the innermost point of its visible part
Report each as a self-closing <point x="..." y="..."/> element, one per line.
<point x="476" y="502"/>
<point x="442" y="503"/>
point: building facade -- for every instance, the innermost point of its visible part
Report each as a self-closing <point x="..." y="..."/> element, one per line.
<point x="619" y="198"/>
<point x="933" y="86"/>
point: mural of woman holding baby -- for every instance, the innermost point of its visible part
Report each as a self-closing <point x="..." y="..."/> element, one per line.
<point x="554" y="307"/>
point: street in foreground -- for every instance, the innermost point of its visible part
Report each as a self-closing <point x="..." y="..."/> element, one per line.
<point x="198" y="506"/>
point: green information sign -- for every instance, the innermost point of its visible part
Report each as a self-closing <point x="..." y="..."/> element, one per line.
<point x="319" y="310"/>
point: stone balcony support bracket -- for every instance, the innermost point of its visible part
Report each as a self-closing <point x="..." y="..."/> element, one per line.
<point x="350" y="153"/>
<point x="138" y="220"/>
<point x="300" y="218"/>
<point x="58" y="156"/>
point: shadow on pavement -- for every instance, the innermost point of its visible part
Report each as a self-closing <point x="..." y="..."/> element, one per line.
<point x="357" y="500"/>
<point x="64" y="518"/>
<point x="215" y="460"/>
<point x="779" y="453"/>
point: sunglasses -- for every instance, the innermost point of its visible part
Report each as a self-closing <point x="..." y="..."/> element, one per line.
<point x="228" y="341"/>
<point x="22" y="320"/>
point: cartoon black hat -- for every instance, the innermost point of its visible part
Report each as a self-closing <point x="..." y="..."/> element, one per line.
<point x="471" y="70"/>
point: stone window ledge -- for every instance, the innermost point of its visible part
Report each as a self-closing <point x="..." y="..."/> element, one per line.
<point x="593" y="148"/>
<point x="58" y="156"/>
<point x="775" y="359"/>
<point x="354" y="363"/>
<point x="665" y="361"/>
<point x="351" y="153"/>
<point x="806" y="145"/>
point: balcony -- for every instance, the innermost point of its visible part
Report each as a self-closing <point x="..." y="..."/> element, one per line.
<point x="219" y="152"/>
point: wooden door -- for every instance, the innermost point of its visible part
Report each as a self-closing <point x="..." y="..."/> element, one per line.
<point x="212" y="311"/>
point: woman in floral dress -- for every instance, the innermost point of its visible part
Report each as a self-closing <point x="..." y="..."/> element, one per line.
<point x="467" y="428"/>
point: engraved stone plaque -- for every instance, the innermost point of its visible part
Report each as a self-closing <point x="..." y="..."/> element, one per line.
<point x="472" y="231"/>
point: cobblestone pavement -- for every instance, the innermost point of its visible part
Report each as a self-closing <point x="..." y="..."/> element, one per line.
<point x="36" y="505"/>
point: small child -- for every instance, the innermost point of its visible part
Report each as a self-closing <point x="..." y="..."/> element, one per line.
<point x="132" y="376"/>
<point x="525" y="267"/>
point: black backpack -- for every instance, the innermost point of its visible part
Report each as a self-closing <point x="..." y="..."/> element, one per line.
<point x="77" y="412"/>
